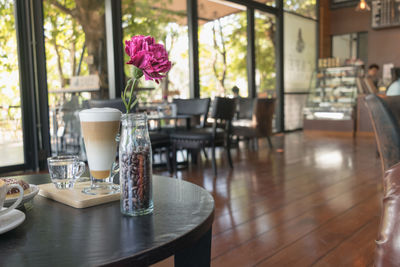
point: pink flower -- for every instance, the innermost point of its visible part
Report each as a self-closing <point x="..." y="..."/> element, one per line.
<point x="147" y="55"/>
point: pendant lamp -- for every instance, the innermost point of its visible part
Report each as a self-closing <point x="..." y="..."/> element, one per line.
<point x="363" y="6"/>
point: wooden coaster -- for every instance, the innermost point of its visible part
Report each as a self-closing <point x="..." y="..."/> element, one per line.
<point x="74" y="197"/>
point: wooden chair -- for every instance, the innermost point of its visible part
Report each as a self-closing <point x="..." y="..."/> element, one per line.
<point x="222" y="112"/>
<point x="261" y="123"/>
<point x="386" y="127"/>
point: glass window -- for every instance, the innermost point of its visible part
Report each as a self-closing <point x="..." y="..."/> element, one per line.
<point x="166" y="21"/>
<point x="11" y="137"/>
<point x="222" y="48"/>
<point x="76" y="62"/>
<point x="344" y="46"/>
<point x="265" y="32"/>
<point x="267" y="2"/>
<point x="302" y="7"/>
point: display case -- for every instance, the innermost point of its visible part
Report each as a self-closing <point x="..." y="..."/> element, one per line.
<point x="332" y="99"/>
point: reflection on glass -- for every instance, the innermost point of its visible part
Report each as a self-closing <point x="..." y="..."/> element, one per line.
<point x="75" y="48"/>
<point x="302" y="7"/>
<point x="265" y="32"/>
<point x="222" y="48"/>
<point x="11" y="139"/>
<point x="166" y="21"/>
<point x="267" y="2"/>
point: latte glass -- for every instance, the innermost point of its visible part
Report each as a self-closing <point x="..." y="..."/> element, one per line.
<point x="3" y="193"/>
<point x="100" y="127"/>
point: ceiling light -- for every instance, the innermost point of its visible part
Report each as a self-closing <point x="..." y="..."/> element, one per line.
<point x="363" y="6"/>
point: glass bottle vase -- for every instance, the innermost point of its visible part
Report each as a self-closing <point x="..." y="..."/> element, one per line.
<point x="135" y="161"/>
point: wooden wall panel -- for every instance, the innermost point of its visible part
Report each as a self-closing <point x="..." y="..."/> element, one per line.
<point x="382" y="44"/>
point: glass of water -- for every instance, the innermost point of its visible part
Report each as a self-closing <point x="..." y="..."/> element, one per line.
<point x="65" y="170"/>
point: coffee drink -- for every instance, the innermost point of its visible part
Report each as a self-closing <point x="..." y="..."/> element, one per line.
<point x="100" y="127"/>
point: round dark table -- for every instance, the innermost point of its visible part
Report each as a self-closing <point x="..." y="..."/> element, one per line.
<point x="54" y="234"/>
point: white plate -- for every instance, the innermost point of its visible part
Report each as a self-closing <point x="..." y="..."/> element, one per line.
<point x="11" y="220"/>
<point x="34" y="189"/>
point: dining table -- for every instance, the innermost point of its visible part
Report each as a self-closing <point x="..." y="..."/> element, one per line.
<point x="54" y="234"/>
<point x="159" y="118"/>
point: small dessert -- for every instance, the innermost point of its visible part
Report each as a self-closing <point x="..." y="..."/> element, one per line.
<point x="14" y="191"/>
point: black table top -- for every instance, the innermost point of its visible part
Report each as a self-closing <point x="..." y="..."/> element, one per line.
<point x="54" y="234"/>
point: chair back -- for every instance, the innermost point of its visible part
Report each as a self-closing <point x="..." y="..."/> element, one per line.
<point x="245" y="108"/>
<point x="195" y="107"/>
<point x="386" y="128"/>
<point x="264" y="113"/>
<point x="370" y="86"/>
<point x="393" y="103"/>
<point x="222" y="111"/>
<point x="107" y="103"/>
<point x="387" y="250"/>
<point x="361" y="86"/>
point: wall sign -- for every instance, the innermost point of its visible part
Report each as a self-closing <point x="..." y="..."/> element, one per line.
<point x="300" y="52"/>
<point x="385" y="13"/>
<point x="300" y="55"/>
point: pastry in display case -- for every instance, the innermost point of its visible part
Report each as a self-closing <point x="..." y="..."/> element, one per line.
<point x="332" y="99"/>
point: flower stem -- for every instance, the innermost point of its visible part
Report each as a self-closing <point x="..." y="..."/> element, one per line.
<point x="124" y="94"/>
<point x="129" y="105"/>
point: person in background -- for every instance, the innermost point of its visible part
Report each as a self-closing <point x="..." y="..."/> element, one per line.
<point x="372" y="74"/>
<point x="235" y="91"/>
<point x="394" y="87"/>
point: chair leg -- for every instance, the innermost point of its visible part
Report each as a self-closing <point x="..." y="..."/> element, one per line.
<point x="214" y="165"/>
<point x="194" y="156"/>
<point x="174" y="163"/>
<point x="228" y="153"/>
<point x="205" y="153"/>
<point x="255" y="143"/>
<point x="183" y="155"/>
<point x="269" y="142"/>
<point x="169" y="165"/>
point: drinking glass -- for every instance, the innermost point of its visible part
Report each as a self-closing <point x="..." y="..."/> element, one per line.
<point x="65" y="170"/>
<point x="100" y="127"/>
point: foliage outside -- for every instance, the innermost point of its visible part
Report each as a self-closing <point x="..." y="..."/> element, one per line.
<point x="169" y="28"/>
<point x="10" y="110"/>
<point x="75" y="45"/>
<point x="302" y="7"/>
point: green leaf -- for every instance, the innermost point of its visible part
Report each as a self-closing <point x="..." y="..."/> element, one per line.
<point x="136" y="73"/>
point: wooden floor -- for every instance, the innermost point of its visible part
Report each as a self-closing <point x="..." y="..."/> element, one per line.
<point x="311" y="201"/>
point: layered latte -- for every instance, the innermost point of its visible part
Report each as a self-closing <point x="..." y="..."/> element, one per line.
<point x="100" y="127"/>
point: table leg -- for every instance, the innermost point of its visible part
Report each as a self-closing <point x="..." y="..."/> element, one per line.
<point x="188" y="122"/>
<point x="198" y="255"/>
